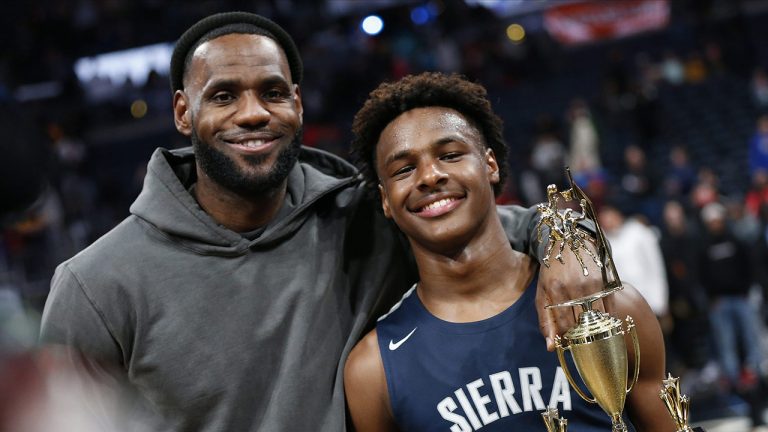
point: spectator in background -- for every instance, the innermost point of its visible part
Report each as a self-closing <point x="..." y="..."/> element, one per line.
<point x="726" y="275"/>
<point x="648" y="72"/>
<point x="637" y="255"/>
<point x="759" y="87"/>
<point x="689" y="345"/>
<point x="637" y="189"/>
<point x="22" y="186"/>
<point x="758" y="146"/>
<point x="548" y="154"/>
<point x="761" y="260"/>
<point x="744" y="225"/>
<point x="681" y="175"/>
<point x="757" y="195"/>
<point x="583" y="153"/>
<point x="646" y="115"/>
<point x="707" y="188"/>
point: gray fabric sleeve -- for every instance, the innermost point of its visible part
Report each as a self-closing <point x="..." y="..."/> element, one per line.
<point x="520" y="225"/>
<point x="71" y="318"/>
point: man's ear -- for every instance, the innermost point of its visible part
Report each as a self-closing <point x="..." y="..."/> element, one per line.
<point x="297" y="101"/>
<point x="182" y="116"/>
<point x="492" y="166"/>
<point x="384" y="202"/>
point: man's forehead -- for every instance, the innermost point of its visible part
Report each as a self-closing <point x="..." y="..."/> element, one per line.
<point x="234" y="44"/>
<point x="237" y="56"/>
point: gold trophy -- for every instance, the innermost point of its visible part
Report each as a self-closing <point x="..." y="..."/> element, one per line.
<point x="597" y="342"/>
<point x="678" y="405"/>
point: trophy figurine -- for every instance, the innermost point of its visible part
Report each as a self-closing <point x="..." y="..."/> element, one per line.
<point x="597" y="343"/>
<point x="554" y="422"/>
<point x="678" y="405"/>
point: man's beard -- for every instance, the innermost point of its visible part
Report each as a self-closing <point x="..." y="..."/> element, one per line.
<point x="224" y="171"/>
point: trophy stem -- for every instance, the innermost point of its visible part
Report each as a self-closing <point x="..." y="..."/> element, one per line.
<point x="618" y="424"/>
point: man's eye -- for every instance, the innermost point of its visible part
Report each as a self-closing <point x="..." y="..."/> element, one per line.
<point x="222" y="97"/>
<point x="276" y="94"/>
<point x="450" y="156"/>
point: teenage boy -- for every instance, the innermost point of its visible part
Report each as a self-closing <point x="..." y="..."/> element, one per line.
<point x="462" y="350"/>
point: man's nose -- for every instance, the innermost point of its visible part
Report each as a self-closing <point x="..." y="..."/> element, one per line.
<point x="251" y="111"/>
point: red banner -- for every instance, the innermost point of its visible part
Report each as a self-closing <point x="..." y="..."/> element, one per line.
<point x="578" y="23"/>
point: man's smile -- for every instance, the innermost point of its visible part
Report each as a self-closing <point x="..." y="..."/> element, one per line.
<point x="252" y="143"/>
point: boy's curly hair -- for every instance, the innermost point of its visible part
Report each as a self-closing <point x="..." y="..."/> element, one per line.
<point x="428" y="89"/>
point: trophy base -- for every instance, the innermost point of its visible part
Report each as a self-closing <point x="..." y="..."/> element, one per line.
<point x="618" y="424"/>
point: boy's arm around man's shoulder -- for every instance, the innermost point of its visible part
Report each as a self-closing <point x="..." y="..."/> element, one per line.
<point x="365" y="386"/>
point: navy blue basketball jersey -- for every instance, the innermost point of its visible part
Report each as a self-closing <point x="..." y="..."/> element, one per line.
<point x="490" y="375"/>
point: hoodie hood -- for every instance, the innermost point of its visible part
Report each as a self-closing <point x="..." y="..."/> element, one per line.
<point x="166" y="204"/>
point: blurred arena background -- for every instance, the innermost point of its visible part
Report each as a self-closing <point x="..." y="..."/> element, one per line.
<point x="653" y="104"/>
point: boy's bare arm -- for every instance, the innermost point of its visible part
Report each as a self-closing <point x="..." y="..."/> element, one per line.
<point x="365" y="385"/>
<point x="645" y="408"/>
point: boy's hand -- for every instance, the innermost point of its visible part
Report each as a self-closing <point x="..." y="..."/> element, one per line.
<point x="559" y="283"/>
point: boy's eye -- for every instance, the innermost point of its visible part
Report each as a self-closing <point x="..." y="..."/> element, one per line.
<point x="404" y="170"/>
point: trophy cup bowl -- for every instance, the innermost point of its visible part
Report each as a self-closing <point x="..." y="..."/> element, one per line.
<point x="599" y="352"/>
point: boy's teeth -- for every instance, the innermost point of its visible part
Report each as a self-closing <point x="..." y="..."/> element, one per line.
<point x="437" y="204"/>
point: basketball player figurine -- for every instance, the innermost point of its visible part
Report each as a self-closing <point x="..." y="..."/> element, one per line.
<point x="563" y="227"/>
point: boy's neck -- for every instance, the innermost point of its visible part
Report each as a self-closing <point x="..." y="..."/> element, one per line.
<point x="485" y="277"/>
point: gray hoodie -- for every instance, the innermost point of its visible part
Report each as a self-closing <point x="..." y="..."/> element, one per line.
<point x="223" y="333"/>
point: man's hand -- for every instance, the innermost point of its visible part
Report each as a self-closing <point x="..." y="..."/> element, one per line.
<point x="559" y="283"/>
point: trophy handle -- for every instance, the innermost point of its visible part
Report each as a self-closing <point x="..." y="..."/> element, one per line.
<point x="636" y="343"/>
<point x="561" y="356"/>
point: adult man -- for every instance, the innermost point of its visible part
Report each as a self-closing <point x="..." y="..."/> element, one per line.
<point x="234" y="291"/>
<point x="726" y="276"/>
<point x="461" y="350"/>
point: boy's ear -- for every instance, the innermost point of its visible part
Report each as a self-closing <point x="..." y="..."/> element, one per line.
<point x="492" y="166"/>
<point x="181" y="113"/>
<point x="384" y="202"/>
